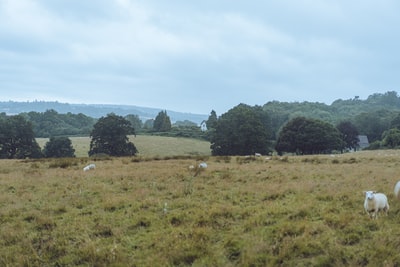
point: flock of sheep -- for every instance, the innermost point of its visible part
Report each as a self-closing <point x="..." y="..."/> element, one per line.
<point x="375" y="202"/>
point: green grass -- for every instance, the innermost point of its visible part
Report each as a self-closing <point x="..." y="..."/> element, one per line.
<point x="292" y="211"/>
<point x="148" y="146"/>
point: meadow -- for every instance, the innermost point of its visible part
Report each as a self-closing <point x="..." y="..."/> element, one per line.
<point x="147" y="145"/>
<point x="240" y="211"/>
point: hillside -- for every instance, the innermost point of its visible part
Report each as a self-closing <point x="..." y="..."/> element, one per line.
<point x="96" y="110"/>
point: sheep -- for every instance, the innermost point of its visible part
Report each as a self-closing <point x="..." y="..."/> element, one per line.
<point x="203" y="165"/>
<point x="91" y="166"/>
<point x="257" y="154"/>
<point x="397" y="190"/>
<point x="375" y="202"/>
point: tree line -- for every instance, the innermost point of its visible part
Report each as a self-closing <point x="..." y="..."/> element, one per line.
<point x="307" y="128"/>
<point x="109" y="134"/>
<point x="302" y="128"/>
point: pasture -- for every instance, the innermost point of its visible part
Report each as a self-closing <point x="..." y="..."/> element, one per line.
<point x="147" y="145"/>
<point x="144" y="211"/>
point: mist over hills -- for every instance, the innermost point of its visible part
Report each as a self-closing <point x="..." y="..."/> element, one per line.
<point x="97" y="110"/>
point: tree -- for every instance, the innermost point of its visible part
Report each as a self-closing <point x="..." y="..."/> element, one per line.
<point x="243" y="130"/>
<point x="137" y="124"/>
<point x="212" y="120"/>
<point x="162" y="122"/>
<point x="59" y="147"/>
<point x="308" y="136"/>
<point x="148" y="124"/>
<point x="373" y="124"/>
<point x="17" y="140"/>
<point x="109" y="136"/>
<point x="391" y="138"/>
<point x="395" y="122"/>
<point x="349" y="134"/>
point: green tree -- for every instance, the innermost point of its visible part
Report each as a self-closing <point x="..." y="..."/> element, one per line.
<point x="162" y="122"/>
<point x="136" y="122"/>
<point x="243" y="130"/>
<point x="395" y="122"/>
<point x="373" y="124"/>
<point x="308" y="136"/>
<point x="59" y="147"/>
<point x="212" y="120"/>
<point x="17" y="140"/>
<point x="391" y="138"/>
<point x="110" y="136"/>
<point x="349" y="134"/>
<point x="148" y="124"/>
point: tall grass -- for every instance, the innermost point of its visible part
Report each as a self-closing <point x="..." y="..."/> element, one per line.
<point x="297" y="211"/>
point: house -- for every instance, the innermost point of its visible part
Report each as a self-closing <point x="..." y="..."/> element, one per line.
<point x="363" y="142"/>
<point x="203" y="126"/>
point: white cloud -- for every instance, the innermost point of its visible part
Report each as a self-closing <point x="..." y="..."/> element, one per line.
<point x="167" y="53"/>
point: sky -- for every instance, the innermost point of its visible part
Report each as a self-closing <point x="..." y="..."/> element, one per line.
<point x="197" y="56"/>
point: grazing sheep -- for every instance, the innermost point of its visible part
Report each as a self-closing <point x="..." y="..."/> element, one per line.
<point x="203" y="165"/>
<point x="257" y="155"/>
<point x="397" y="190"/>
<point x="89" y="167"/>
<point x="375" y="202"/>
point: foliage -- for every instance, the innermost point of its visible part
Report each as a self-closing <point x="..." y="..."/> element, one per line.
<point x="51" y="123"/>
<point x="243" y="130"/>
<point x="371" y="116"/>
<point x="109" y="136"/>
<point x="17" y="139"/>
<point x="373" y="124"/>
<point x="59" y="147"/>
<point x="308" y="136"/>
<point x="212" y="120"/>
<point x="184" y="123"/>
<point x="137" y="124"/>
<point x="391" y="138"/>
<point x="148" y="124"/>
<point x="349" y="134"/>
<point x="162" y="122"/>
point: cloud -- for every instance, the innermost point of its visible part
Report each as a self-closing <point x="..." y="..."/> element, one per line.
<point x="168" y="54"/>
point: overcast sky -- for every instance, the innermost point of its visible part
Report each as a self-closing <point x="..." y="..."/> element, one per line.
<point x="197" y="56"/>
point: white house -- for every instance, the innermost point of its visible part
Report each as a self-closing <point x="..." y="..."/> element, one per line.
<point x="203" y="126"/>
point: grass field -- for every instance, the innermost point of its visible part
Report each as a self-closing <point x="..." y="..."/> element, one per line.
<point x="139" y="211"/>
<point x="147" y="145"/>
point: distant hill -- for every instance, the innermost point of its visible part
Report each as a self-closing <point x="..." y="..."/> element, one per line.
<point x="97" y="110"/>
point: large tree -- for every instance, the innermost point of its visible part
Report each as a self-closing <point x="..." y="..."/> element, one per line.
<point x="162" y="122"/>
<point x="110" y="136"/>
<point x="59" y="147"/>
<point x="349" y="134"/>
<point x="308" y="136"/>
<point x="17" y="140"/>
<point x="243" y="130"/>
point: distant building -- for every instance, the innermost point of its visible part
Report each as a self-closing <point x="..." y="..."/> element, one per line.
<point x="362" y="142"/>
<point x="203" y="126"/>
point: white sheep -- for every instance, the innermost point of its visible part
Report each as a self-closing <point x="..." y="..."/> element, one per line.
<point x="257" y="154"/>
<point x="91" y="166"/>
<point x="397" y="190"/>
<point x="374" y="203"/>
<point x="203" y="165"/>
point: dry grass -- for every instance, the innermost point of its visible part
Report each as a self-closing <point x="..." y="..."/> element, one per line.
<point x="291" y="211"/>
<point x="147" y="145"/>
